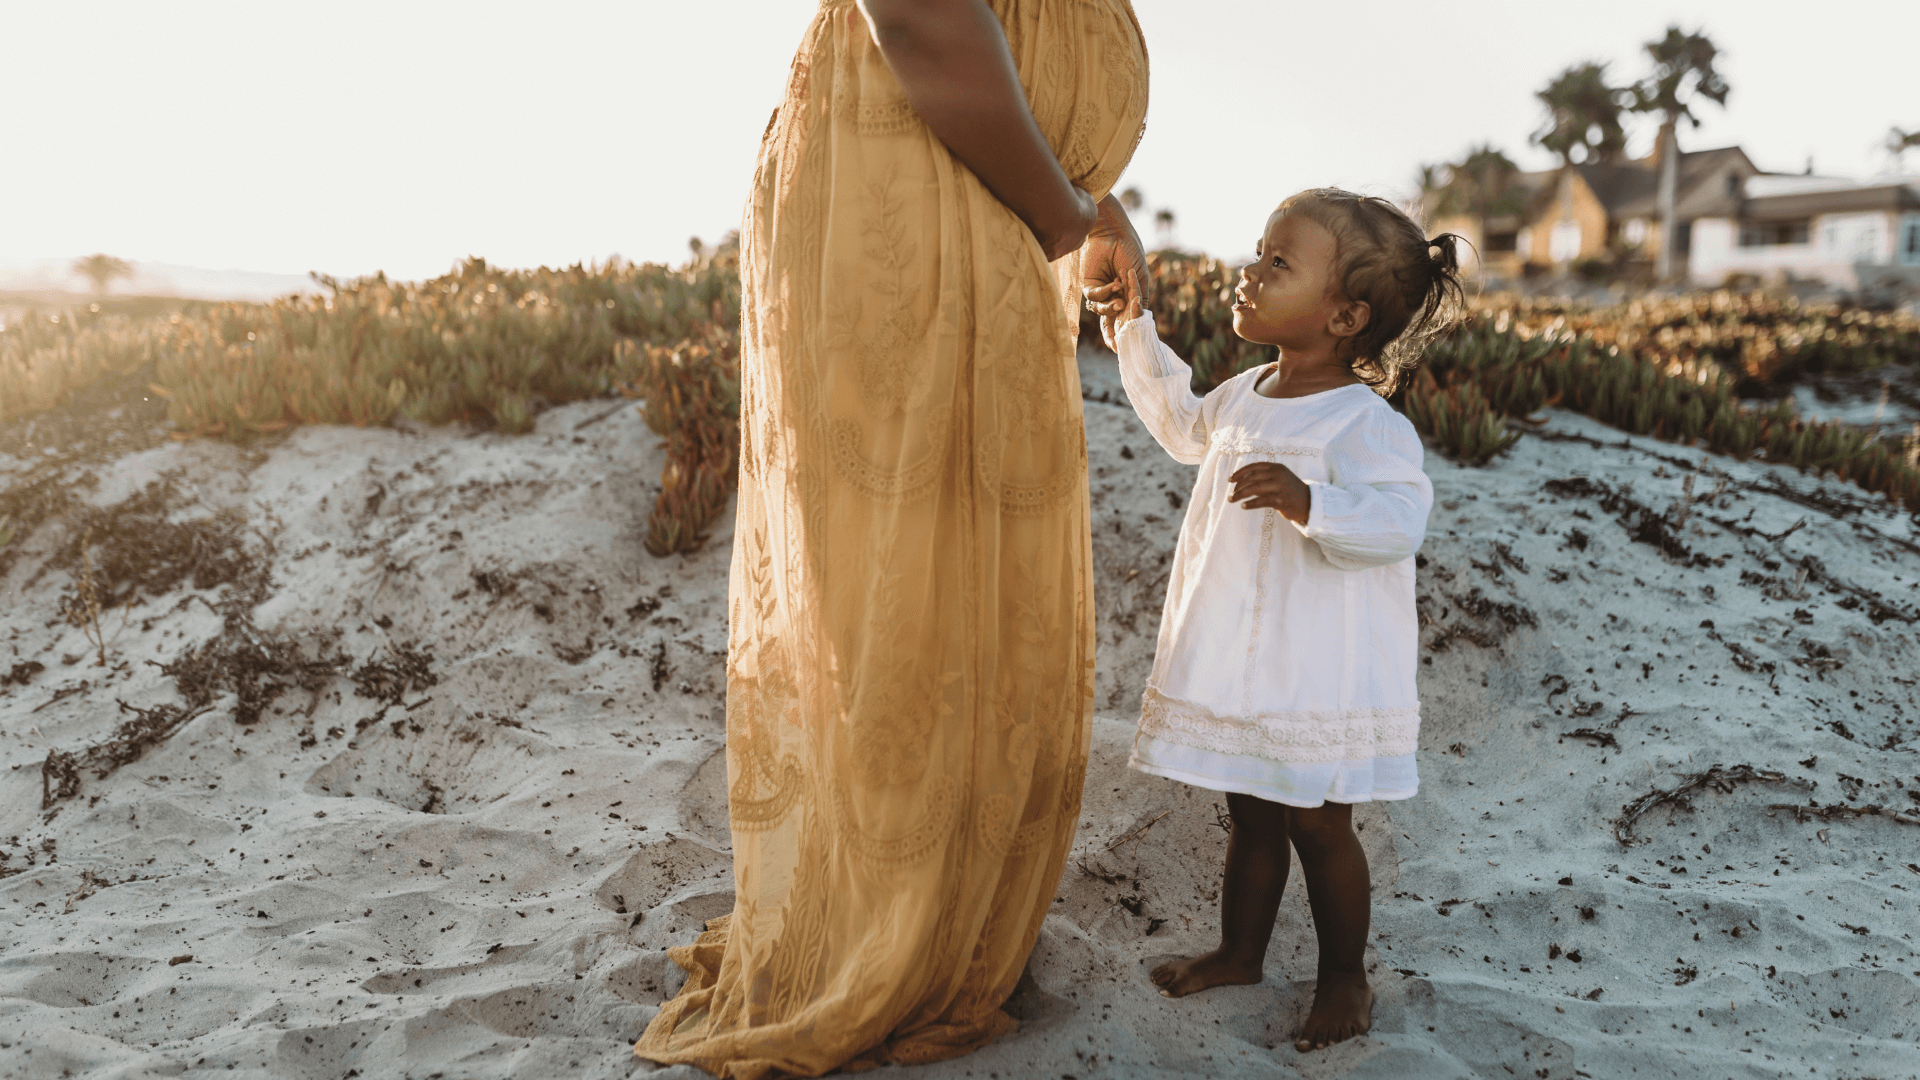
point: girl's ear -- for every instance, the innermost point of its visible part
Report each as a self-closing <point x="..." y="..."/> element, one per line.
<point x="1349" y="319"/>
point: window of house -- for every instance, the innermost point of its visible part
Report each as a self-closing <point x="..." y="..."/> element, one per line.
<point x="1772" y="233"/>
<point x="1502" y="241"/>
<point x="1910" y="241"/>
<point x="1636" y="231"/>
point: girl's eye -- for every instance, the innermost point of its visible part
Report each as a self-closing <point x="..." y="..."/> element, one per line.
<point x="1278" y="261"/>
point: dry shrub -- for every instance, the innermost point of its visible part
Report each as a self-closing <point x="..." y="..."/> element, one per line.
<point x="481" y="345"/>
<point x="692" y="397"/>
<point x="46" y="358"/>
<point x="1764" y="342"/>
<point x="1684" y="401"/>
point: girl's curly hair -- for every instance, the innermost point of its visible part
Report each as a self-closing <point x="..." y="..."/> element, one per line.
<point x="1410" y="283"/>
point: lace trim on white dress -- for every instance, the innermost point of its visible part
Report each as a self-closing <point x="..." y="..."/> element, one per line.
<point x="1302" y="736"/>
<point x="1233" y="443"/>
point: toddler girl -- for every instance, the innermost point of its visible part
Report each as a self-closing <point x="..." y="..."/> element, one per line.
<point x="1284" y="673"/>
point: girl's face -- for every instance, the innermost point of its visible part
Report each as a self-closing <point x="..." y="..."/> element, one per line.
<point x="1286" y="295"/>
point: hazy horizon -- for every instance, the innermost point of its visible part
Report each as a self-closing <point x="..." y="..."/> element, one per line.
<point x="404" y="139"/>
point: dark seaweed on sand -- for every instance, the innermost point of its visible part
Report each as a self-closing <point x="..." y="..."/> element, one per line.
<point x="44" y="494"/>
<point x="1641" y="521"/>
<point x="406" y="668"/>
<point x="137" y="550"/>
<point x="1717" y="777"/>
<point x="60" y="772"/>
<point x="1495" y="619"/>
<point x="1829" y="813"/>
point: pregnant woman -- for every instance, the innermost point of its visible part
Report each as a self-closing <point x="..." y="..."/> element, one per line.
<point x="910" y="654"/>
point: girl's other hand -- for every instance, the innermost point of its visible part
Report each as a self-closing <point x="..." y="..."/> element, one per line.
<point x="1269" y="485"/>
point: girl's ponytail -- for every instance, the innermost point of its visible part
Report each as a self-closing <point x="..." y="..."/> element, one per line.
<point x="1440" y="306"/>
<point x="1447" y="260"/>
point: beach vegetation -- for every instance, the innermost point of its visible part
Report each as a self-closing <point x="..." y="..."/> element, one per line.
<point x="491" y="348"/>
<point x="479" y="345"/>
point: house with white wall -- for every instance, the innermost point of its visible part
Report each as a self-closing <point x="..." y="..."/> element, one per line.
<point x="1812" y="228"/>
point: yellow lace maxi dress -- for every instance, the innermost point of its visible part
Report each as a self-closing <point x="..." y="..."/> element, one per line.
<point x="910" y="655"/>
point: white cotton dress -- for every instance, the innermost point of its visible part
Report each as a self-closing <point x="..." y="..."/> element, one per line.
<point x="1287" y="655"/>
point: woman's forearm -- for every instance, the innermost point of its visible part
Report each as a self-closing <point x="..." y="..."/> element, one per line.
<point x="951" y="59"/>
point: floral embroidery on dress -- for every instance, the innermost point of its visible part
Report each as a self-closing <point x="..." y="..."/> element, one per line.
<point x="892" y="722"/>
<point x="910" y="484"/>
<point x="940" y="801"/>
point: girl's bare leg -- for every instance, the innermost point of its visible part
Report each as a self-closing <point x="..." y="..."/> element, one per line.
<point x="1339" y="892"/>
<point x="1257" y="866"/>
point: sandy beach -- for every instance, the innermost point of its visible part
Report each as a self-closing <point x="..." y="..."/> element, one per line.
<point x="441" y="774"/>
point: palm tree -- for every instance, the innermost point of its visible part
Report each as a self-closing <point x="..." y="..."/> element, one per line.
<point x="1583" y="113"/>
<point x="1132" y="200"/>
<point x="1682" y="73"/>
<point x="1163" y="220"/>
<point x="101" y="270"/>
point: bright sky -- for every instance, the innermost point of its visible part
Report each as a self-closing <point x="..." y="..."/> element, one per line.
<point x="355" y="136"/>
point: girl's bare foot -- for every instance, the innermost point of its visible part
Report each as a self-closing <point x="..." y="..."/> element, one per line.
<point x="1178" y="978"/>
<point x="1342" y="1008"/>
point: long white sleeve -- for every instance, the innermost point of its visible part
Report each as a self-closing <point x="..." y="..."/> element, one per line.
<point x="1373" y="509"/>
<point x="1160" y="386"/>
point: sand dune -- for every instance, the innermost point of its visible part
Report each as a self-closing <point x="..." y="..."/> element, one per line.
<point x="471" y="865"/>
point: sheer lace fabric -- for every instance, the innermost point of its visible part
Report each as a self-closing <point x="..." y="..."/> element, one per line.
<point x="910" y="653"/>
<point x="1285" y="666"/>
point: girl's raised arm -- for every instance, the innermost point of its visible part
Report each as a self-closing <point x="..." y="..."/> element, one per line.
<point x="1160" y="386"/>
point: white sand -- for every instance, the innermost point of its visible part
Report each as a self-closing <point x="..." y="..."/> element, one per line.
<point x="337" y="927"/>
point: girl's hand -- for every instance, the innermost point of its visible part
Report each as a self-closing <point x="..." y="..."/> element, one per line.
<point x="1269" y="485"/>
<point x="1114" y="306"/>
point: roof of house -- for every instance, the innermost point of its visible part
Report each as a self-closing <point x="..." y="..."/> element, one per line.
<point x="1834" y="200"/>
<point x="1697" y="190"/>
<point x="1620" y="185"/>
<point x="1803" y="183"/>
<point x="1632" y="188"/>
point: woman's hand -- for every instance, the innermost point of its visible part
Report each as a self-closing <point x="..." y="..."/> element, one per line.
<point x="1269" y="485"/>
<point x="1114" y="256"/>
